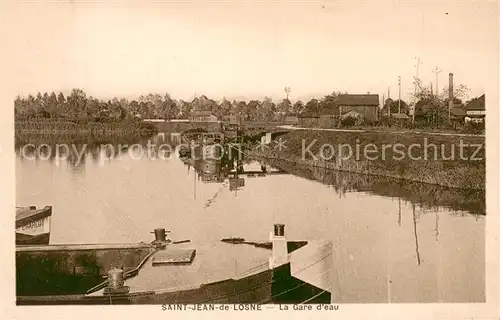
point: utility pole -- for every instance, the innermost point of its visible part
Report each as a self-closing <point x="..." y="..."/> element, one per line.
<point x="437" y="71"/>
<point x="287" y="91"/>
<point x="415" y="92"/>
<point x="388" y="97"/>
<point x="399" y="97"/>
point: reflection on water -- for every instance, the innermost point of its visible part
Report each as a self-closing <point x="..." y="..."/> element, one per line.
<point x="393" y="241"/>
<point x="425" y="195"/>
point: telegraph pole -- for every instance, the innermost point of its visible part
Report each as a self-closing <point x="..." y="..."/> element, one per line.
<point x="388" y="97"/>
<point x="437" y="71"/>
<point x="415" y="92"/>
<point x="399" y="98"/>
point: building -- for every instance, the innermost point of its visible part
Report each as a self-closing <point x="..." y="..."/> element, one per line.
<point x="308" y="119"/>
<point x="457" y="113"/>
<point x="203" y="116"/>
<point x="327" y="120"/>
<point x="232" y="119"/>
<point x="366" y="105"/>
<point x="400" y="118"/>
<point x="476" y="110"/>
<point x="291" y="119"/>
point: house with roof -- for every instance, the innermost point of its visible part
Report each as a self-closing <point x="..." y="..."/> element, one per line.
<point x="291" y="119"/>
<point x="232" y="119"/>
<point x="400" y="118"/>
<point x="458" y="113"/>
<point x="327" y="120"/>
<point x="476" y="110"/>
<point x="203" y="116"/>
<point x="366" y="105"/>
<point x="308" y="119"/>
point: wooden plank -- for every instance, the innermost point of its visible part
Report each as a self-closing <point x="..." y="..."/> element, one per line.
<point x="175" y="256"/>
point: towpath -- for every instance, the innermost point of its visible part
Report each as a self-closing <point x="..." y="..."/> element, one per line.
<point x="452" y="134"/>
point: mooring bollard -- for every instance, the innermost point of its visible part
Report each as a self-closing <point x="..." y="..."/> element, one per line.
<point x="116" y="282"/>
<point x="160" y="237"/>
<point x="115" y="278"/>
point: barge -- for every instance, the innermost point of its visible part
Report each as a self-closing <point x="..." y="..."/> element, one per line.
<point x="182" y="272"/>
<point x="33" y="225"/>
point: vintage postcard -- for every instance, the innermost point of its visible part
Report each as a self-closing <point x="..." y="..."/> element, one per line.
<point x="250" y="158"/>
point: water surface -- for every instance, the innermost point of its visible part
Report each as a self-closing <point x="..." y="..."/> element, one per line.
<point x="393" y="242"/>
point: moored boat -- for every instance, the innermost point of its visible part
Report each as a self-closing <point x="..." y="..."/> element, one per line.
<point x="169" y="272"/>
<point x="33" y="225"/>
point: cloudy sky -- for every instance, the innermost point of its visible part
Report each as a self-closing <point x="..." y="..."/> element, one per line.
<point x="249" y="49"/>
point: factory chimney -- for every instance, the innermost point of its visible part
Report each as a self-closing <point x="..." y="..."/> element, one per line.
<point x="450" y="94"/>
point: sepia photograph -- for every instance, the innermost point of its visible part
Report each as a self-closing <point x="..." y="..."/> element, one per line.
<point x="243" y="155"/>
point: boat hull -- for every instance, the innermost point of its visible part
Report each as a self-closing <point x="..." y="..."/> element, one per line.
<point x="33" y="226"/>
<point x="276" y="286"/>
<point x="74" y="274"/>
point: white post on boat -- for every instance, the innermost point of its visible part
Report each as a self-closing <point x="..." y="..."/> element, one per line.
<point x="280" y="250"/>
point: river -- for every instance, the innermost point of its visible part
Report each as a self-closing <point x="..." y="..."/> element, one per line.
<point x="392" y="241"/>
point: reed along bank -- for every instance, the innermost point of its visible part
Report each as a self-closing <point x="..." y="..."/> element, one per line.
<point x="64" y="131"/>
<point x="450" y="161"/>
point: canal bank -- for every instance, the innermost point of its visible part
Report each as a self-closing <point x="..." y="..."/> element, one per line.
<point x="453" y="162"/>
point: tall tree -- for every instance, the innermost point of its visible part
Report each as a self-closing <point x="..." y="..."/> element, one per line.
<point x="312" y="106"/>
<point x="252" y="108"/>
<point x="185" y="108"/>
<point x="298" y="107"/>
<point x="266" y="110"/>
<point x="224" y="108"/>
<point x="52" y="105"/>
<point x="284" y="106"/>
<point x="77" y="102"/>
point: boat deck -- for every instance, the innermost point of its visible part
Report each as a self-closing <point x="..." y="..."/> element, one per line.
<point x="217" y="272"/>
<point x="215" y="262"/>
<point x="212" y="262"/>
<point x="26" y="215"/>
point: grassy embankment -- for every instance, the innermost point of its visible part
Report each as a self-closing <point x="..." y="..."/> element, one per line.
<point x="459" y="172"/>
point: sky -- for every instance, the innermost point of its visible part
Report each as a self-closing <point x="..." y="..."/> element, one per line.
<point x="246" y="50"/>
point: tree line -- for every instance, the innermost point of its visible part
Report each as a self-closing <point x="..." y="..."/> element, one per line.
<point x="430" y="107"/>
<point x="78" y="105"/>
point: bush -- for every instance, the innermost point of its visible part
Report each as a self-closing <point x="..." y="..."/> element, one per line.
<point x="474" y="127"/>
<point x="147" y="128"/>
<point x="348" y="121"/>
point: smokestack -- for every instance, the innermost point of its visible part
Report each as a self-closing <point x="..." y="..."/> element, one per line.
<point x="450" y="86"/>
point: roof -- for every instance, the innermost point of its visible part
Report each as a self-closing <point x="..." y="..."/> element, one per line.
<point x="358" y="100"/>
<point x="477" y="104"/>
<point x="400" y="116"/>
<point x="458" y="111"/>
<point x="328" y="111"/>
